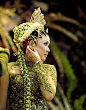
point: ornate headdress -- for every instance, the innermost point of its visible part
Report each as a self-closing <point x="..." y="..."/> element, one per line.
<point x="22" y="32"/>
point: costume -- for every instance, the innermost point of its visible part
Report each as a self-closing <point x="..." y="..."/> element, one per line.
<point x="24" y="89"/>
<point x="16" y="88"/>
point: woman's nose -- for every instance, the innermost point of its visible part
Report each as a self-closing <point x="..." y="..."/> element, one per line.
<point x="48" y="50"/>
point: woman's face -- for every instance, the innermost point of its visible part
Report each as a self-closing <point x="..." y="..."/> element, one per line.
<point x="43" y="47"/>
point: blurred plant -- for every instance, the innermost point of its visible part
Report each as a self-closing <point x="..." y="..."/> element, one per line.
<point x="77" y="57"/>
<point x="44" y="6"/>
<point x="4" y="20"/>
<point x="62" y="103"/>
<point x="78" y="103"/>
<point x="64" y="67"/>
<point x="52" y="17"/>
<point x="63" y="62"/>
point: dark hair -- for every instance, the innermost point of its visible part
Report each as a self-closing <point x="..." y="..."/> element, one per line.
<point x="33" y="36"/>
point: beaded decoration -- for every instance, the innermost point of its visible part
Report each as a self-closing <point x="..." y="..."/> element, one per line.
<point x="42" y="76"/>
<point x="36" y="23"/>
<point x="21" y="33"/>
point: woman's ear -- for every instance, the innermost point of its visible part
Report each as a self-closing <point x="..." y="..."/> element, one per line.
<point x="31" y="43"/>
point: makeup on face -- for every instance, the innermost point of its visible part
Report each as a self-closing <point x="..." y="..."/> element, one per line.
<point x="43" y="47"/>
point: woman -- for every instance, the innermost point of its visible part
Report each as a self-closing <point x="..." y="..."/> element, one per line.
<point x="31" y="83"/>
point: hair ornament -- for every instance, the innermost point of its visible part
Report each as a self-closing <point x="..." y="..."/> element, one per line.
<point x="24" y="30"/>
<point x="37" y="16"/>
<point x="47" y="30"/>
<point x="32" y="28"/>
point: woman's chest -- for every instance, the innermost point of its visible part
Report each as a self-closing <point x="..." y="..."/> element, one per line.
<point x="16" y="81"/>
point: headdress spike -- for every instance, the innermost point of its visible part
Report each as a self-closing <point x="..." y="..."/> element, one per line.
<point x="47" y="30"/>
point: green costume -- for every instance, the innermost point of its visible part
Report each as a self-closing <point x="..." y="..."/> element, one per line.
<point x="16" y="87"/>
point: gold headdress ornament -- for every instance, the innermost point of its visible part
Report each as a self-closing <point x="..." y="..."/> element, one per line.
<point x="47" y="30"/>
<point x="36" y="23"/>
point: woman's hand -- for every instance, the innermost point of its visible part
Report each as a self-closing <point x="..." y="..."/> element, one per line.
<point x="32" y="54"/>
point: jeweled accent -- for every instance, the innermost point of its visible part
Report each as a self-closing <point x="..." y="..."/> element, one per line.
<point x="53" y="74"/>
<point x="42" y="76"/>
<point x="24" y="30"/>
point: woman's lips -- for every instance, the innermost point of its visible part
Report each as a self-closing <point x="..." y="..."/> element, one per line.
<point x="45" y="55"/>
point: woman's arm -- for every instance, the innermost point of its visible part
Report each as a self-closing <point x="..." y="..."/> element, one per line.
<point x="47" y="78"/>
<point x="3" y="90"/>
<point x="52" y="79"/>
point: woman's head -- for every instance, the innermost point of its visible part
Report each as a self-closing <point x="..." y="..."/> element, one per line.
<point x="27" y="30"/>
<point x="41" y="44"/>
<point x="32" y="31"/>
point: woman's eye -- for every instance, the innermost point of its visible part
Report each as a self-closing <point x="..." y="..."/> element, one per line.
<point x="45" y="43"/>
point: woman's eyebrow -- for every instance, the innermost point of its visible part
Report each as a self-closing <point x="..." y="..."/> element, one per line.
<point x="47" y="42"/>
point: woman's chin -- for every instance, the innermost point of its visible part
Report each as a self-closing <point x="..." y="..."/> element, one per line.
<point x="43" y="59"/>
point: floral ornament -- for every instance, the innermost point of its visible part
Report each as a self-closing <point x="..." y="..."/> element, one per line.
<point x="26" y="80"/>
<point x="36" y="23"/>
<point x="24" y="43"/>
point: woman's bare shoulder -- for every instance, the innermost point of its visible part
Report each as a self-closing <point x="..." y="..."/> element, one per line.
<point x="13" y="68"/>
<point x="48" y="66"/>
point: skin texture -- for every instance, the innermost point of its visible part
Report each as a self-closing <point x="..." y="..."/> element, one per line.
<point x="43" y="47"/>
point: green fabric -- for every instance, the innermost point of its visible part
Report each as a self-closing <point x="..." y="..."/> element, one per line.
<point x="4" y="58"/>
